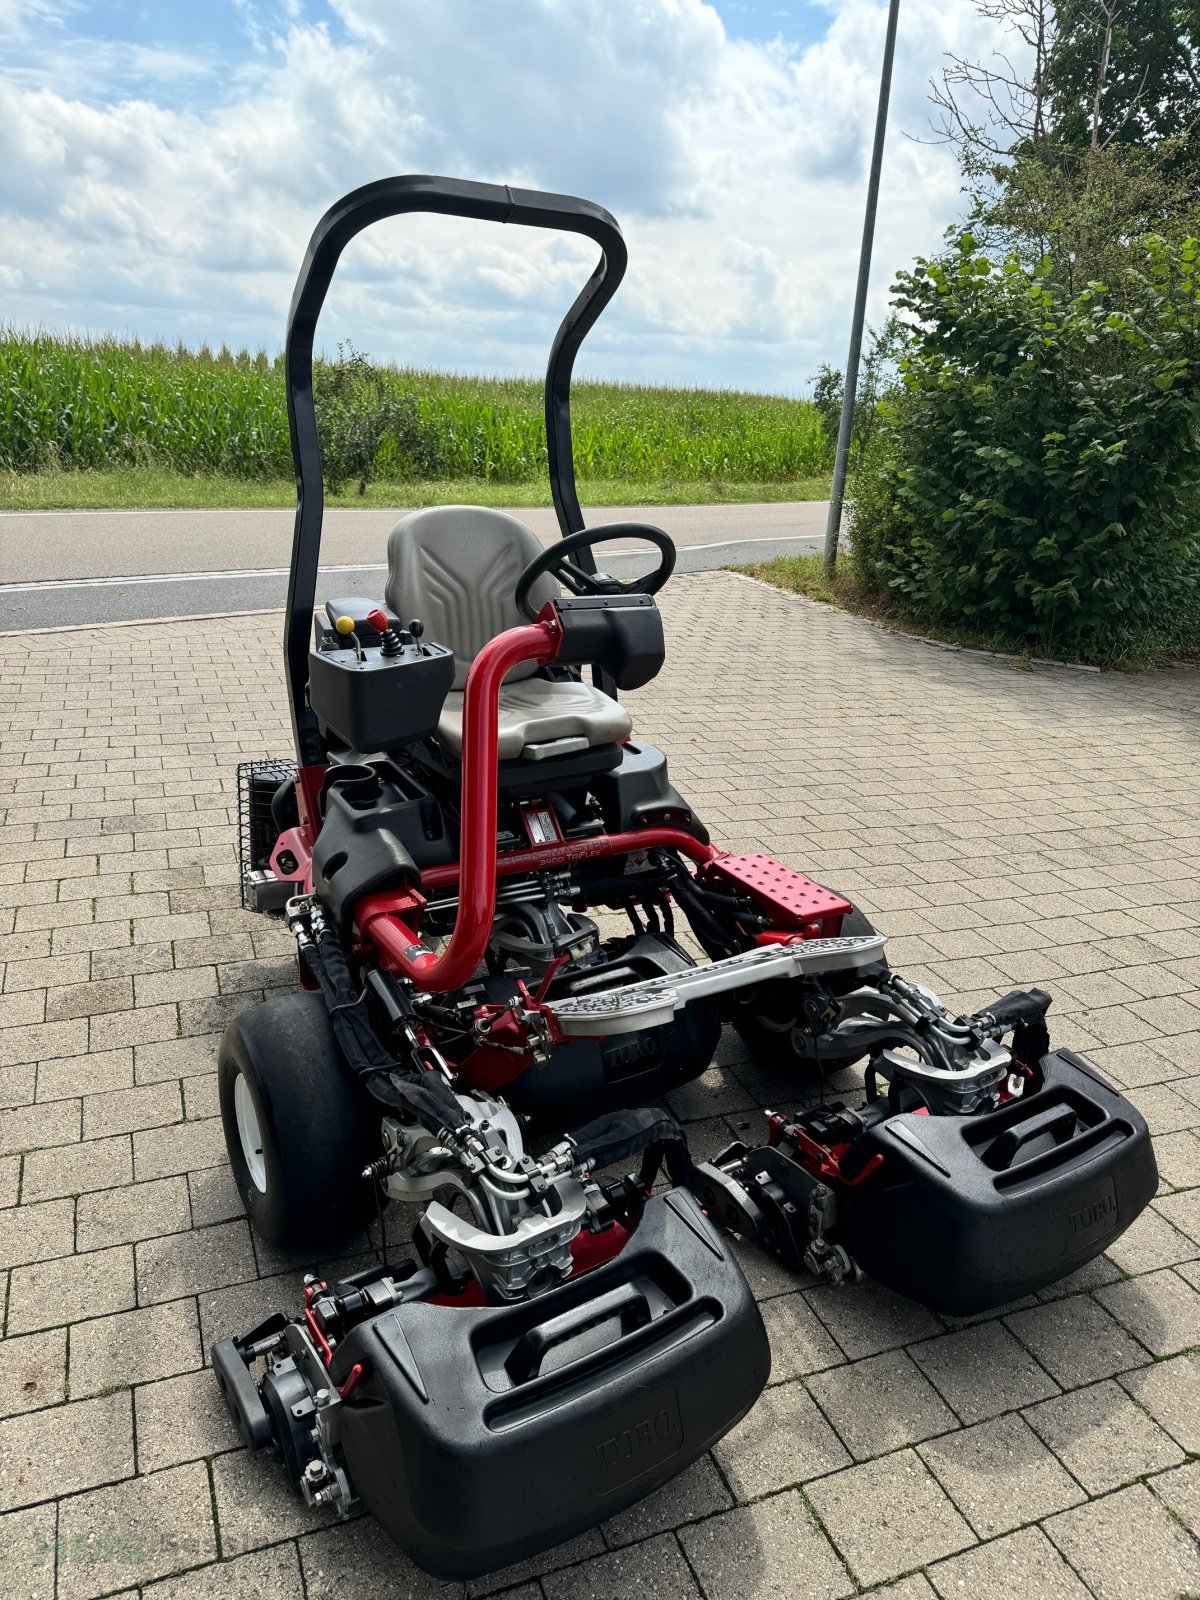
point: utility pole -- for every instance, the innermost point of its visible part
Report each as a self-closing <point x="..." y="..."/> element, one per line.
<point x="834" y="521"/>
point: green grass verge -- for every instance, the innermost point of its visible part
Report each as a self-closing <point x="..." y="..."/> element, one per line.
<point x="151" y="488"/>
<point x="844" y="589"/>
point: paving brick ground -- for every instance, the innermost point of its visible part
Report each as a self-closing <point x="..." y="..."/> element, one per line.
<point x="1003" y="826"/>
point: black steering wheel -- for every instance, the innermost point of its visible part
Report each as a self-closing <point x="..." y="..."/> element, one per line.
<point x="555" y="560"/>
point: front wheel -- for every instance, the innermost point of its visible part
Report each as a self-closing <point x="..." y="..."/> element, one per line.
<point x="770" y="1018"/>
<point x="298" y="1128"/>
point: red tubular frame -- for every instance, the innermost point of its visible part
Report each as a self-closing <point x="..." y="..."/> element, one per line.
<point x="538" y="641"/>
<point x="545" y="857"/>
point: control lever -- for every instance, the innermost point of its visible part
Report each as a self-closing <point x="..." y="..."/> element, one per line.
<point x="345" y="630"/>
<point x="390" y="643"/>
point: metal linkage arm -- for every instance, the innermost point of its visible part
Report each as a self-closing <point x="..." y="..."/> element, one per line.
<point x="654" y="1001"/>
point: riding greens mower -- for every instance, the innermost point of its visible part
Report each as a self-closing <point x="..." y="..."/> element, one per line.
<point x="466" y="820"/>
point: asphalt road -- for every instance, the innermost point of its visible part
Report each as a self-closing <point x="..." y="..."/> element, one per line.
<point x="67" y="568"/>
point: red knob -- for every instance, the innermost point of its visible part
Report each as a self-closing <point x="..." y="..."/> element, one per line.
<point x="378" y="620"/>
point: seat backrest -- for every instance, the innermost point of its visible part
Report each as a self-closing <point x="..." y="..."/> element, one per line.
<point x="456" y="567"/>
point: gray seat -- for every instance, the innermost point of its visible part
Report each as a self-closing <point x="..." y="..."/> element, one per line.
<point x="456" y="567"/>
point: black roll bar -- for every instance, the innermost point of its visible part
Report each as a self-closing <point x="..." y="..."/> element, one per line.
<point x="391" y="197"/>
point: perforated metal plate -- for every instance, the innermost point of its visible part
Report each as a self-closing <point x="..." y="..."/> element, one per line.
<point x="790" y="897"/>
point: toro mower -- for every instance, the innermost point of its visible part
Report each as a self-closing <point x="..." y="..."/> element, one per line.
<point x="467" y="818"/>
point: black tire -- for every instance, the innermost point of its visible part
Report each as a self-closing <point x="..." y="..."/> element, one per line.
<point x="766" y="1019"/>
<point x="317" y="1127"/>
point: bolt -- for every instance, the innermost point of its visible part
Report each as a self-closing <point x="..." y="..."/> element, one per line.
<point x="314" y="1471"/>
<point x="322" y="1398"/>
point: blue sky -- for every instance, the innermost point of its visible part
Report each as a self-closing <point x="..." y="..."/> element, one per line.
<point x="161" y="166"/>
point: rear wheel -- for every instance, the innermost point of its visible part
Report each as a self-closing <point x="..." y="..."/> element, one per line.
<point x="298" y="1128"/>
<point x="771" y="1018"/>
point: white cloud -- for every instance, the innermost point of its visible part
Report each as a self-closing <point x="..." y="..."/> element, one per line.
<point x="736" y="169"/>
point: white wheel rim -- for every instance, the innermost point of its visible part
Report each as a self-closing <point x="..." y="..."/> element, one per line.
<point x="249" y="1134"/>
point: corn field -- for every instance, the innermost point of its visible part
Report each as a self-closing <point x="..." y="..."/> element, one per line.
<point x="97" y="403"/>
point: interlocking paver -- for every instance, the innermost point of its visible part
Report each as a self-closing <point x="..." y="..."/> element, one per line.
<point x="1076" y="1340"/>
<point x="994" y="854"/>
<point x="36" y="1232"/>
<point x="65" y="1448"/>
<point x="181" y="1419"/>
<point x="1022" y="1566"/>
<point x="263" y="1575"/>
<point x="214" y="1196"/>
<point x="872" y="1319"/>
<point x="164" y="1152"/>
<point x="887" y="1516"/>
<point x="1127" y="1546"/>
<point x="33" y="1371"/>
<point x="136" y="1211"/>
<point x="656" y="1568"/>
<point x="880" y="1403"/>
<point x="78" y="1169"/>
<point x="256" y="1505"/>
<point x="193" y="1262"/>
<point x="572" y="1553"/>
<point x="126" y="1110"/>
<point x="1179" y="1491"/>
<point x="1151" y="1242"/>
<point x="784" y="1440"/>
<point x="1170" y="1392"/>
<point x="134" y="1347"/>
<point x="1179" y="1159"/>
<point x="27" y="1553"/>
<point x="361" y="1560"/>
<point x="799" y="1341"/>
<point x="1000" y="1475"/>
<point x="1165" y="1109"/>
<point x="772" y="1548"/>
<point x="134" y="1531"/>
<point x="85" y="1075"/>
<point x="1159" y="1308"/>
<point x="696" y="1492"/>
<point x="34" y="1127"/>
<point x="982" y="1371"/>
<point x="1102" y="1437"/>
<point x="50" y="1293"/>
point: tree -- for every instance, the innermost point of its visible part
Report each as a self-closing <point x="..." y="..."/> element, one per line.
<point x="1127" y="71"/>
<point x="1084" y="137"/>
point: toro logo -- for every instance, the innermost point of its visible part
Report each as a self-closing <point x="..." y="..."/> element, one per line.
<point x="637" y="1447"/>
<point x="1092" y="1215"/>
<point x="629" y="1050"/>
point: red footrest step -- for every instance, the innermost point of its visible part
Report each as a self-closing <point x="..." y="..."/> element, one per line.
<point x="788" y="897"/>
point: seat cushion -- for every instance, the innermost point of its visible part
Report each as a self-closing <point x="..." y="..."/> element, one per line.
<point x="534" y="711"/>
<point x="456" y="568"/>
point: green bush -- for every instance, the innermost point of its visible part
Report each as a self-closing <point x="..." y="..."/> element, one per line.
<point x="1036" y="474"/>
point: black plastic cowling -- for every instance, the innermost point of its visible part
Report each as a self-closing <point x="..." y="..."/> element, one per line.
<point x="622" y="634"/>
<point x="969" y="1213"/>
<point x="479" y="1436"/>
